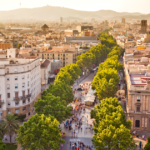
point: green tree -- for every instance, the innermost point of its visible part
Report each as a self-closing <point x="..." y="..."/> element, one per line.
<point x="108" y="74"/>
<point x="112" y="138"/>
<point x="111" y="128"/>
<point x="1" y="131"/>
<point x="54" y="106"/>
<point x="86" y="60"/>
<point x="147" y="146"/>
<point x="2" y="145"/>
<point x="73" y="70"/>
<point x="10" y="125"/>
<point x="105" y="88"/>
<point x="40" y="132"/>
<point x="63" y="77"/>
<point x="61" y="90"/>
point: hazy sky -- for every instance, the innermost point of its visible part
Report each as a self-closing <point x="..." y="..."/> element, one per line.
<point x="91" y="5"/>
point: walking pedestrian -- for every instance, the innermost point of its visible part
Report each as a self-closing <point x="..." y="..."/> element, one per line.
<point x="81" y="127"/>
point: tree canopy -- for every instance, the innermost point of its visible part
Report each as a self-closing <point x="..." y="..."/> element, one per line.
<point x="54" y="106"/>
<point x="40" y="132"/>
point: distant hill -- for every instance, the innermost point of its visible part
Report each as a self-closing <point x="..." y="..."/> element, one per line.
<point x="51" y="13"/>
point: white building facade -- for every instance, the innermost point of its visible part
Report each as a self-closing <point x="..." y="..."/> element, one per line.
<point x="20" y="85"/>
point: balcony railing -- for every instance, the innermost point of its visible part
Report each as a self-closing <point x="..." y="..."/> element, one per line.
<point x="17" y="98"/>
<point x="28" y="96"/>
<point x="23" y="97"/>
<point x="1" y="101"/>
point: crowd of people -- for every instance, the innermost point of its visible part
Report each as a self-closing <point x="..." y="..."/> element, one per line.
<point x="80" y="146"/>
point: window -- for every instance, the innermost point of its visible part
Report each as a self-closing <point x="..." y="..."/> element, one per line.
<point x="16" y="103"/>
<point x="8" y="104"/>
<point x="29" y="114"/>
<point x="8" y="86"/>
<point x="24" y="109"/>
<point x="9" y="111"/>
<point x="137" y="123"/>
<point x="7" y="70"/>
<point x="28" y="100"/>
<point x="27" y="68"/>
<point x="24" y="101"/>
<point x="16" y="78"/>
<point x="8" y="95"/>
<point x="138" y="98"/>
<point x="16" y="86"/>
<point x="17" y="111"/>
<point x="138" y="108"/>
<point x="7" y="79"/>
<point x="23" y="69"/>
<point x="29" y="108"/>
<point x="0" y="106"/>
<point x="28" y="75"/>
<point x="16" y="70"/>
<point x="23" y="77"/>
<point x="23" y="85"/>
<point x="28" y="83"/>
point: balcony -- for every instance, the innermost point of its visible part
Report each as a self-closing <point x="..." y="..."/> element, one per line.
<point x="1" y="102"/>
<point x="28" y="96"/>
<point x="17" y="98"/>
<point x="23" y="97"/>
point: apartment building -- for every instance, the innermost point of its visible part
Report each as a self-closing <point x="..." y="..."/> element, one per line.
<point x="67" y="55"/>
<point x="137" y="71"/>
<point x="6" y="45"/>
<point x="20" y="85"/>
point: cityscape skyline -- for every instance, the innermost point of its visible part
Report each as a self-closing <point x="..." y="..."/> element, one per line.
<point x="124" y="6"/>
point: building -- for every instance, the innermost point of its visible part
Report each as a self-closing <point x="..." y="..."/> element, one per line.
<point x="143" y="26"/>
<point x="61" y="19"/>
<point x="45" y="71"/>
<point x="20" y="85"/>
<point x="45" y="28"/>
<point x="137" y="71"/>
<point x="123" y="20"/>
<point x="82" y="28"/>
<point x="6" y="46"/>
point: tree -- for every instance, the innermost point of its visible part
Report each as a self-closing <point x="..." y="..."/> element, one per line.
<point x="61" y="90"/>
<point x="147" y="146"/>
<point x="10" y="125"/>
<point x="73" y="70"/>
<point x="108" y="74"/>
<point x="40" y="132"/>
<point x="2" y="145"/>
<point x="111" y="128"/>
<point x="105" y="88"/>
<point x="63" y="77"/>
<point x="1" y="131"/>
<point x="86" y="60"/>
<point x="54" y="106"/>
<point x="112" y="138"/>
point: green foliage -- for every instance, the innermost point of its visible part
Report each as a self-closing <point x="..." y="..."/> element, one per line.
<point x="147" y="146"/>
<point x="2" y="145"/>
<point x="11" y="146"/>
<point x="20" y="117"/>
<point x="93" y="114"/>
<point x="1" y="131"/>
<point x="111" y="126"/>
<point x="86" y="60"/>
<point x="61" y="90"/>
<point x="40" y="132"/>
<point x="64" y="77"/>
<point x="10" y="125"/>
<point x="54" y="106"/>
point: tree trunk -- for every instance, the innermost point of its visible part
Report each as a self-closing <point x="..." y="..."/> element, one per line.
<point x="10" y="139"/>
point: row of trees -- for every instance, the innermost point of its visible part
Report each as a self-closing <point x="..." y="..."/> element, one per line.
<point x="112" y="131"/>
<point x="42" y="130"/>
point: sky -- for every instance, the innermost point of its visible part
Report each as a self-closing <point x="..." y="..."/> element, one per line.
<point x="141" y="6"/>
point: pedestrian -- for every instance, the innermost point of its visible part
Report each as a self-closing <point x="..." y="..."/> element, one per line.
<point x="70" y="144"/>
<point x="81" y="127"/>
<point x="5" y="138"/>
<point x="61" y="146"/>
